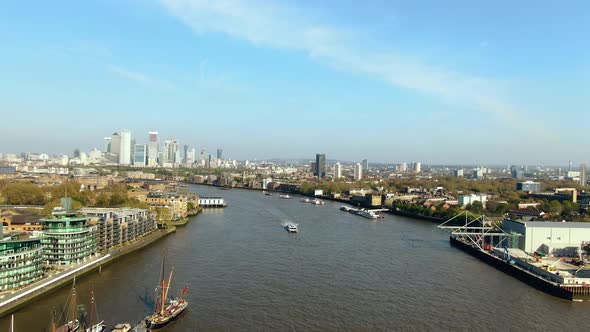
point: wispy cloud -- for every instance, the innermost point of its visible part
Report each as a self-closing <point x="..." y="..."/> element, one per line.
<point x="140" y="78"/>
<point x="272" y="25"/>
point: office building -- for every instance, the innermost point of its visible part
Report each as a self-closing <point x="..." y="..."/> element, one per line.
<point x="116" y="144"/>
<point x="417" y="167"/>
<point x="185" y="155"/>
<point x="478" y="173"/>
<point x="219" y="154"/>
<point x="337" y="171"/>
<point x="529" y="186"/>
<point x="125" y="148"/>
<point x="458" y="172"/>
<point x="174" y="152"/>
<point x="139" y="157"/>
<point x="153" y="149"/>
<point x="582" y="174"/>
<point x="365" y="164"/>
<point x="67" y="239"/>
<point x="20" y="261"/>
<point x="358" y="171"/>
<point x="320" y="165"/>
<point x="107" y="144"/>
<point x="190" y="159"/>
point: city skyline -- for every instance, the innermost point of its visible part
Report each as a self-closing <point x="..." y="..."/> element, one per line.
<point x="380" y="81"/>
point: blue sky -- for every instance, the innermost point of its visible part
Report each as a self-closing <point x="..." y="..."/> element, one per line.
<point x="440" y="82"/>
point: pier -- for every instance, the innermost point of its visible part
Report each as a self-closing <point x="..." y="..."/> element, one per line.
<point x="212" y="202"/>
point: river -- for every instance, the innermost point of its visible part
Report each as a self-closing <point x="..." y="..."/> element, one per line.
<point x="339" y="273"/>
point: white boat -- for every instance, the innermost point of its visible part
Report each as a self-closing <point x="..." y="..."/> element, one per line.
<point x="317" y="202"/>
<point x="306" y="200"/>
<point x="124" y="327"/>
<point x="291" y="228"/>
<point x="284" y="196"/>
<point x="368" y="214"/>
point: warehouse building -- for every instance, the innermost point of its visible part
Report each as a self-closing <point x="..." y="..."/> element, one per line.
<point x="548" y="237"/>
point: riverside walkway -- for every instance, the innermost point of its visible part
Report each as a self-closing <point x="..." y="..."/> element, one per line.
<point x="12" y="301"/>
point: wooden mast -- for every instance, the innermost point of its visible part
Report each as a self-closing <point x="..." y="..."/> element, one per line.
<point x="74" y="304"/>
<point x="53" y="323"/>
<point x="168" y="283"/>
<point x="91" y="308"/>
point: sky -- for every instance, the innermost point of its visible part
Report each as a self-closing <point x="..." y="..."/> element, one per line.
<point x="434" y="81"/>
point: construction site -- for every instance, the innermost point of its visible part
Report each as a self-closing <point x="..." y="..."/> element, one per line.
<point x="550" y="256"/>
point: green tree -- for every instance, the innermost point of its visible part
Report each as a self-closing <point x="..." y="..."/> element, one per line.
<point x="23" y="193"/>
<point x="476" y="207"/>
<point x="555" y="207"/>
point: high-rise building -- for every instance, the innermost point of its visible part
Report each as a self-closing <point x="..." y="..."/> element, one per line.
<point x="358" y="171"/>
<point x="219" y="154"/>
<point x="190" y="159"/>
<point x="116" y="144"/>
<point x="77" y="153"/>
<point x="582" y="174"/>
<point x="337" y="171"/>
<point x="185" y="156"/>
<point x="153" y="149"/>
<point x="165" y="153"/>
<point x="172" y="151"/>
<point x="107" y="144"/>
<point x="139" y="155"/>
<point x="320" y="165"/>
<point x="569" y="169"/>
<point x="365" y="164"/>
<point x="125" y="150"/>
<point x="403" y="167"/>
<point x="458" y="172"/>
<point x="417" y="167"/>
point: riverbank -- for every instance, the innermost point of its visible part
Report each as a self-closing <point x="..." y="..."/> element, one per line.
<point x="10" y="303"/>
<point x="567" y="292"/>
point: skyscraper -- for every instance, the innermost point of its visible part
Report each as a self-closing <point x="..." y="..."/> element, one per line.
<point x="358" y="171"/>
<point x="320" y="165"/>
<point x="116" y="144"/>
<point x="219" y="154"/>
<point x="125" y="148"/>
<point x="139" y="156"/>
<point x="417" y="167"/>
<point x="185" y="156"/>
<point x="583" y="174"/>
<point x="153" y="149"/>
<point x="365" y="164"/>
<point x="107" y="144"/>
<point x="337" y="171"/>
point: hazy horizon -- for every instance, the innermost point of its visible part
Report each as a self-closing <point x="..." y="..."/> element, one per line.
<point x="468" y="83"/>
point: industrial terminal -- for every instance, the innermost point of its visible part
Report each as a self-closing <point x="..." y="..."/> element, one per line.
<point x="552" y="256"/>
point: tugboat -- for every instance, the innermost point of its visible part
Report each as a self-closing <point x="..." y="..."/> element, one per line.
<point x="291" y="228"/>
<point x="166" y="311"/>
